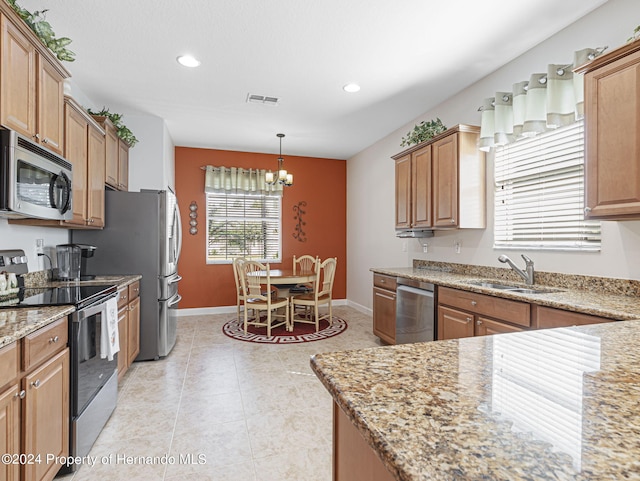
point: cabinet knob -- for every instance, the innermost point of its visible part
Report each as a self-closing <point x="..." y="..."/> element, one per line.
<point x="45" y="141"/>
<point x="478" y="322"/>
<point x="54" y="339"/>
<point x="20" y="394"/>
<point x="36" y="383"/>
<point x="587" y="210"/>
<point x="474" y="303"/>
<point x="36" y="136"/>
<point x="468" y="320"/>
<point x="453" y="221"/>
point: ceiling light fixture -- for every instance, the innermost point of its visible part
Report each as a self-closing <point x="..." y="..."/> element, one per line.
<point x="351" y="88"/>
<point x="188" y="61"/>
<point x="284" y="178"/>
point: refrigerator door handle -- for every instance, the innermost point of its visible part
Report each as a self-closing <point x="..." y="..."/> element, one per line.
<point x="173" y="302"/>
<point x="175" y="278"/>
<point x="178" y="220"/>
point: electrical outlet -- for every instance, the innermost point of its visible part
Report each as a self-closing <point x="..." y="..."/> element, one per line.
<point x="457" y="246"/>
<point x="39" y="246"/>
<point x="425" y="247"/>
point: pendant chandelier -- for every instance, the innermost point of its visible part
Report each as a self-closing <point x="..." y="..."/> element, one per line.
<point x="281" y="176"/>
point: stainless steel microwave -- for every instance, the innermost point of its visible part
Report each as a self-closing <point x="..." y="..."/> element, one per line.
<point x="34" y="181"/>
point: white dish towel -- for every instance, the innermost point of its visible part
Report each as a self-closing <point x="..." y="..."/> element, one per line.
<point x="109" y="338"/>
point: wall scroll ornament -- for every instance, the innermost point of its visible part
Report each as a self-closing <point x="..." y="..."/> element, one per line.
<point x="193" y="218"/>
<point x="299" y="212"/>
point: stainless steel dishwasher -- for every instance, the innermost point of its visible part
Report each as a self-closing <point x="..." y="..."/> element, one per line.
<point x="415" y="311"/>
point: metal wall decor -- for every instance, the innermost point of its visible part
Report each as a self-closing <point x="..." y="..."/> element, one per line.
<point x="299" y="212"/>
<point x="193" y="218"/>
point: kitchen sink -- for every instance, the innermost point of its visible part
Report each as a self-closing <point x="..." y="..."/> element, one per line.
<point x="512" y="288"/>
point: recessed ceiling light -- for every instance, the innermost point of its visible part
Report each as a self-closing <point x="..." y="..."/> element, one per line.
<point x="188" y="61"/>
<point x="351" y="88"/>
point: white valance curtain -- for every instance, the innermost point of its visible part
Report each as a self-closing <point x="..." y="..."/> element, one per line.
<point x="236" y="180"/>
<point x="546" y="101"/>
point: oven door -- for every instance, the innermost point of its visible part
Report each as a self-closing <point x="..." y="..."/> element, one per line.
<point x="89" y="371"/>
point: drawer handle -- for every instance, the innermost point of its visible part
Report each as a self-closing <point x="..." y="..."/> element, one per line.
<point x="124" y="298"/>
<point x="20" y="394"/>
<point x="474" y="303"/>
<point x="36" y="383"/>
<point x="54" y="339"/>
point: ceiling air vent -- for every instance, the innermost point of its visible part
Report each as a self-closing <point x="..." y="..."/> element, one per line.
<point x="262" y="99"/>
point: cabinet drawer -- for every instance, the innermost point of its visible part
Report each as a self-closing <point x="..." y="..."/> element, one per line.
<point x="43" y="343"/>
<point x="123" y="297"/>
<point x="134" y="291"/>
<point x="504" y="309"/>
<point x="385" y="282"/>
<point x="545" y="317"/>
<point x="9" y="363"/>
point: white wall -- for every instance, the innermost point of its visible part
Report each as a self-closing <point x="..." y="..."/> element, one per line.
<point x="371" y="240"/>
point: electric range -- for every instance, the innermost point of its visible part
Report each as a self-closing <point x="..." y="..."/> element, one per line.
<point x="75" y="294"/>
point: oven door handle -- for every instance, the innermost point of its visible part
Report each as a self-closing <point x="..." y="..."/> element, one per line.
<point x="93" y="309"/>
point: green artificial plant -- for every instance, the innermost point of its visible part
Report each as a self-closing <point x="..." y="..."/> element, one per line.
<point x="122" y="130"/>
<point x="36" y="21"/>
<point x="636" y="34"/>
<point x="423" y="131"/>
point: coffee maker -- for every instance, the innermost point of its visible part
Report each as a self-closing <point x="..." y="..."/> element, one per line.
<point x="72" y="261"/>
<point x="68" y="256"/>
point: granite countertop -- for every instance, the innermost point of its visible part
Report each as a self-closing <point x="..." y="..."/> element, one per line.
<point x="554" y="404"/>
<point x="20" y="322"/>
<point x="598" y="296"/>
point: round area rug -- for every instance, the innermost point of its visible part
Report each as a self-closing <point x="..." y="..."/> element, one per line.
<point x="301" y="332"/>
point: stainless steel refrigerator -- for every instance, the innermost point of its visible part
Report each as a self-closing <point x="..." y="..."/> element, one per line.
<point x="142" y="235"/>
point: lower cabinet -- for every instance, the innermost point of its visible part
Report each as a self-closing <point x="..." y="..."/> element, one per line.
<point x="384" y="307"/>
<point x="34" y="403"/>
<point x="465" y="314"/>
<point x="545" y="317"/>
<point x="128" y="326"/>
<point x="353" y="458"/>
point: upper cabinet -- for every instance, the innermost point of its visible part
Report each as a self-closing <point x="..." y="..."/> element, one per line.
<point x="31" y="84"/>
<point x="440" y="183"/>
<point x="117" y="156"/>
<point x="612" y="133"/>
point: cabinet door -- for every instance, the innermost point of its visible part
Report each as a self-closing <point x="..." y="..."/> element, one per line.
<point x="10" y="431"/>
<point x="75" y="143"/>
<point x="384" y="315"/>
<point x="123" y="165"/>
<point x="123" y="324"/>
<point x="445" y="181"/>
<point x="453" y="324"/>
<point x="95" y="177"/>
<point x="17" y="80"/>
<point x="46" y="415"/>
<point x="486" y="327"/>
<point x="111" y="154"/>
<point x="612" y="120"/>
<point x="403" y="192"/>
<point x="133" y="335"/>
<point x="421" y="187"/>
<point x="50" y="106"/>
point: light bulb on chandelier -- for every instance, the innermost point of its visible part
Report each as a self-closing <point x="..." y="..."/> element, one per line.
<point x="283" y="177"/>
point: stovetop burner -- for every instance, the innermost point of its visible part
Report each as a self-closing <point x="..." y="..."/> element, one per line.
<point x="78" y="295"/>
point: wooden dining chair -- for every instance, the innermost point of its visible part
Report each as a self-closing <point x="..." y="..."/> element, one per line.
<point x="305" y="263"/>
<point x="259" y="299"/>
<point x="237" y="271"/>
<point x="321" y="295"/>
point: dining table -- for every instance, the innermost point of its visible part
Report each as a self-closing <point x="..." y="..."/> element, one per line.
<point x="284" y="279"/>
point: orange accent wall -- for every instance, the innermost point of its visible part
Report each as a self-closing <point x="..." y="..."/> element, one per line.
<point x="321" y="183"/>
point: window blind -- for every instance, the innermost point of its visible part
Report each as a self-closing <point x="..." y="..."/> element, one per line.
<point x="539" y="193"/>
<point x="241" y="225"/>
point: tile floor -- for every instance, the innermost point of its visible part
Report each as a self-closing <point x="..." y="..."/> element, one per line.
<point x="250" y="412"/>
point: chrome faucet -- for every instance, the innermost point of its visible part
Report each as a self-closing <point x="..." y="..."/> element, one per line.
<point x="528" y="276"/>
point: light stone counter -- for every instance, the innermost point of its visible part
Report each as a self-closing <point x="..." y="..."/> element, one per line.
<point x="554" y="404"/>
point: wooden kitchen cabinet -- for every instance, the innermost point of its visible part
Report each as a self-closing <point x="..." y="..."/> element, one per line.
<point x="34" y="402"/>
<point x="465" y="314"/>
<point x="85" y="149"/>
<point x="384" y="307"/>
<point x="31" y="85"/>
<point x="353" y="458"/>
<point x="116" y="156"/>
<point x="128" y="326"/>
<point x="612" y="134"/>
<point x="546" y="317"/>
<point x="440" y="183"/>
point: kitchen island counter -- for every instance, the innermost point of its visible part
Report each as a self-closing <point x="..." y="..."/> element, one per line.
<point x="551" y="404"/>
